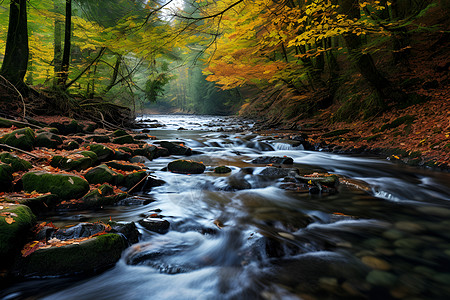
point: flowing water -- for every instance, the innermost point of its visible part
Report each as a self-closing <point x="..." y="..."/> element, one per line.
<point x="384" y="235"/>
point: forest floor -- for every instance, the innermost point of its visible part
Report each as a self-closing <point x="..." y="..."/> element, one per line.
<point x="417" y="135"/>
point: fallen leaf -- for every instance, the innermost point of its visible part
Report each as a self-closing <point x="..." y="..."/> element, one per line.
<point x="9" y="220"/>
<point x="71" y="180"/>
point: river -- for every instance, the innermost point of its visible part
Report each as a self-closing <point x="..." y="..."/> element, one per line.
<point x="383" y="235"/>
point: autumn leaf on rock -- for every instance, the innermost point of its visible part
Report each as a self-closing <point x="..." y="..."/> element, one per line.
<point x="9" y="220"/>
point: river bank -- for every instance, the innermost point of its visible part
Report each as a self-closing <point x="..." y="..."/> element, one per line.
<point x="418" y="135"/>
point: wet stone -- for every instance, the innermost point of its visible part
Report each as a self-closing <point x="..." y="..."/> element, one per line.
<point x="376" y="263"/>
<point x="409" y="226"/>
<point x="155" y="224"/>
<point x="272" y="160"/>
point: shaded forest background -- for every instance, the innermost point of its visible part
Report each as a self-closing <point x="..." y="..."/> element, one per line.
<point x="283" y="60"/>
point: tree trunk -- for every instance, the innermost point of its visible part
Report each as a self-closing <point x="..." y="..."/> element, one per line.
<point x="15" y="62"/>
<point x="67" y="45"/>
<point x="57" y="51"/>
<point x="362" y="61"/>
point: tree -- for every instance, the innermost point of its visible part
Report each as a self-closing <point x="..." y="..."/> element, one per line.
<point x="15" y="62"/>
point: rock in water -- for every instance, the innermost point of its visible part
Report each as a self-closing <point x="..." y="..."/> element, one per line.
<point x="86" y="256"/>
<point x="186" y="167"/>
<point x="222" y="170"/>
<point x="155" y="224"/>
<point x="263" y="160"/>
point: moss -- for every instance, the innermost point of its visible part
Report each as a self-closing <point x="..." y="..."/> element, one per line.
<point x="64" y="186"/>
<point x="48" y="140"/>
<point x="125" y="139"/>
<point x="92" y="155"/>
<point x="13" y="236"/>
<point x="100" y="138"/>
<point x="69" y="164"/>
<point x="104" y="195"/>
<point x="134" y="178"/>
<point x="15" y="162"/>
<point x="4" y="123"/>
<point x="176" y="149"/>
<point x="96" y="253"/>
<point x="21" y="138"/>
<point x="186" y="167"/>
<point x="123" y="167"/>
<point x="148" y="151"/>
<point x="103" y="174"/>
<point x="103" y="153"/>
<point x="119" y="132"/>
<point x="38" y="204"/>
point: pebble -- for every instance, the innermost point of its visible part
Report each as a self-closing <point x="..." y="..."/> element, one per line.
<point x="376" y="263"/>
<point x="409" y="226"/>
<point x="393" y="234"/>
<point x="435" y="211"/>
<point x="409" y="243"/>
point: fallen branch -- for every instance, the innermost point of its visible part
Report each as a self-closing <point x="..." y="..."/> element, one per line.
<point x="17" y="149"/>
<point x="24" y="123"/>
<point x="130" y="190"/>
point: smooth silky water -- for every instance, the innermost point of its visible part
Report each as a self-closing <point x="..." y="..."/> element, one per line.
<point x="387" y="239"/>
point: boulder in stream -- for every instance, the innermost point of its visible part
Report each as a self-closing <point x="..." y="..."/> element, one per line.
<point x="176" y="149"/>
<point x="222" y="170"/>
<point x="264" y="160"/>
<point x="186" y="167"/>
<point x="155" y="224"/>
<point x="71" y="257"/>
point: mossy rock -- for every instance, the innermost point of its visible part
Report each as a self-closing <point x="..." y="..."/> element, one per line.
<point x="123" y="167"/>
<point x="38" y="205"/>
<point x="65" y="186"/>
<point x="15" y="162"/>
<point x="408" y="119"/>
<point x="143" y="136"/>
<point x="161" y="152"/>
<point x="104" y="195"/>
<point x="6" y="177"/>
<point x="175" y="149"/>
<point x="103" y="153"/>
<point x="122" y="155"/>
<point x="4" y="123"/>
<point x="90" y="127"/>
<point x="147" y="150"/>
<point x="74" y="162"/>
<point x="326" y="179"/>
<point x="264" y="160"/>
<point x="70" y="145"/>
<point x="222" y="170"/>
<point x="48" y="140"/>
<point x="186" y="167"/>
<point x="119" y="132"/>
<point x="134" y="178"/>
<point x="90" y="255"/>
<point x="67" y="127"/>
<point x="99" y="138"/>
<point x="13" y="234"/>
<point x="103" y="174"/>
<point x="124" y="139"/>
<point x="20" y="138"/>
<point x="48" y="129"/>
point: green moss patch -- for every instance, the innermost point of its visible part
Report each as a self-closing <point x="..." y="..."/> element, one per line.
<point x="20" y="138"/>
<point x="186" y="167"/>
<point x="65" y="186"/>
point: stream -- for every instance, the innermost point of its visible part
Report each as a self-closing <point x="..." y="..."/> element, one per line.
<point x="383" y="235"/>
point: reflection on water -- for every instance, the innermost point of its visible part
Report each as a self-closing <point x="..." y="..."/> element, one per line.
<point x="384" y="237"/>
